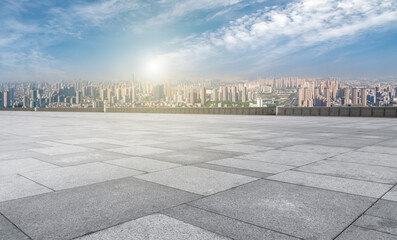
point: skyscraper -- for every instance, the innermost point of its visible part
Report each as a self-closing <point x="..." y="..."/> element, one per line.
<point x="364" y="97"/>
<point x="203" y="96"/>
<point x="355" y="96"/>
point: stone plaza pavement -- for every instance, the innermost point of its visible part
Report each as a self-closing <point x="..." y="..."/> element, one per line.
<point x="157" y="176"/>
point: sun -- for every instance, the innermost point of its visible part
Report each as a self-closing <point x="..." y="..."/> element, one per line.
<point x="154" y="67"/>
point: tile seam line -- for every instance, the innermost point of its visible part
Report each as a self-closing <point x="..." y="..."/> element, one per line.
<point x="376" y="230"/>
<point x="373" y="204"/>
<point x="53" y="190"/>
<point x="15" y="226"/>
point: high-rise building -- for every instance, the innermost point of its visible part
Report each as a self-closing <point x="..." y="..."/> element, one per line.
<point x="355" y="96"/>
<point x="244" y="94"/>
<point x="203" y="96"/>
<point x="364" y="97"/>
<point x="193" y="97"/>
<point x="6" y="99"/>
<point x="346" y="94"/>
<point x="225" y="95"/>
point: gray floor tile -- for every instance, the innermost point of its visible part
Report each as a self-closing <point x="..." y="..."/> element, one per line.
<point x="155" y="226"/>
<point x="213" y="141"/>
<point x="391" y="195"/>
<point x="384" y="209"/>
<point x="69" y="177"/>
<point x="191" y="156"/>
<point x="353" y="170"/>
<point x="368" y="189"/>
<point x="377" y="224"/>
<point x="197" y="180"/>
<point x="140" y="150"/>
<point x="75" y="212"/>
<point x="354" y="233"/>
<point x="81" y="158"/>
<point x="320" y="149"/>
<point x="379" y="149"/>
<point x="251" y="165"/>
<point x="284" y="157"/>
<point x="223" y="225"/>
<point x="14" y="186"/>
<point x="100" y="145"/>
<point x="183" y="145"/>
<point x="238" y="171"/>
<point x="307" y="213"/>
<point x="12" y="167"/>
<point x="240" y="148"/>
<point x="143" y="164"/>
<point x="9" y="232"/>
<point x="380" y="159"/>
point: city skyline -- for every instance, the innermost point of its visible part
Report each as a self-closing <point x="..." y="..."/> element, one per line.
<point x="176" y="40"/>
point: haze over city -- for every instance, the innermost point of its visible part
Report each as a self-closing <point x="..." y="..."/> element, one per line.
<point x="214" y="39"/>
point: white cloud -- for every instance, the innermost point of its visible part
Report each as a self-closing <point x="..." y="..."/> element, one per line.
<point x="274" y="32"/>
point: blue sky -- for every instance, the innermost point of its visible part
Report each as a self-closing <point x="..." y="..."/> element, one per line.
<point x="173" y="39"/>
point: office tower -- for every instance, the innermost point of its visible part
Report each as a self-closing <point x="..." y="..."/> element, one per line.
<point x="355" y="96"/>
<point x="316" y="92"/>
<point x="234" y="94"/>
<point x="327" y="95"/>
<point x="345" y="92"/>
<point x="244" y="94"/>
<point x="214" y="95"/>
<point x="193" y="97"/>
<point x="225" y="95"/>
<point x="203" y="96"/>
<point x="159" y="92"/>
<point x="78" y="97"/>
<point x="6" y="99"/>
<point x="26" y="102"/>
<point x="301" y="97"/>
<point x="364" y="97"/>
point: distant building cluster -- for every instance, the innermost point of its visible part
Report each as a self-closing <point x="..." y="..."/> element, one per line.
<point x="327" y="93"/>
<point x="302" y="92"/>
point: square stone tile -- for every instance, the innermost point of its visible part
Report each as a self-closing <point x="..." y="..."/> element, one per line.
<point x="349" y="142"/>
<point x="9" y="232"/>
<point x="12" y="167"/>
<point x="14" y="186"/>
<point x="213" y="141"/>
<point x="284" y="157"/>
<point x="320" y="149"/>
<point x="74" y="212"/>
<point x="100" y="145"/>
<point x="80" y="175"/>
<point x="223" y="225"/>
<point x="354" y="233"/>
<point x="197" y="180"/>
<point x="379" y="149"/>
<point x="61" y="149"/>
<point x="156" y="226"/>
<point x="353" y="170"/>
<point x="252" y="165"/>
<point x="384" y="209"/>
<point x="183" y="145"/>
<point x="16" y="154"/>
<point x="143" y="164"/>
<point x="369" y="158"/>
<point x="240" y="148"/>
<point x="363" y="188"/>
<point x="296" y="210"/>
<point x="391" y="195"/>
<point x="191" y="156"/>
<point x="377" y="224"/>
<point x="140" y="150"/>
<point x="210" y="135"/>
<point x="233" y="170"/>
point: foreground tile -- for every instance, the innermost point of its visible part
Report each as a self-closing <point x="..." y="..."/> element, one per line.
<point x="143" y="164"/>
<point x="9" y="232"/>
<point x="155" y="226"/>
<point x="363" y="188"/>
<point x="61" y="149"/>
<point x="81" y="158"/>
<point x="377" y="224"/>
<point x="14" y="186"/>
<point x="325" y="150"/>
<point x="74" y="212"/>
<point x="69" y="177"/>
<point x="252" y="165"/>
<point x="379" y="149"/>
<point x="139" y="150"/>
<point x="384" y="209"/>
<point x="369" y="158"/>
<point x="183" y="145"/>
<point x="222" y="140"/>
<point x="392" y="195"/>
<point x="12" y="167"/>
<point x="354" y="233"/>
<point x="223" y="225"/>
<point x="197" y="180"/>
<point x="353" y="170"/>
<point x="100" y="145"/>
<point x="190" y="156"/>
<point x="284" y="157"/>
<point x="238" y="171"/>
<point x="240" y="148"/>
<point x="295" y="210"/>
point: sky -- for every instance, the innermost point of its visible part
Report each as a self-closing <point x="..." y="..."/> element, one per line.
<point x="192" y="39"/>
